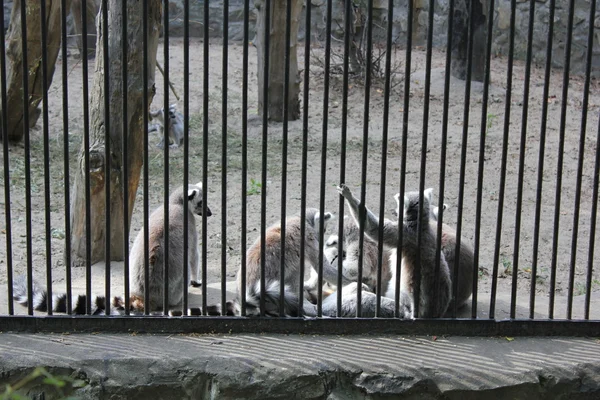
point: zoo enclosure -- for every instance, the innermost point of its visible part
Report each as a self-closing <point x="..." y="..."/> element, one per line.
<point x="473" y="325"/>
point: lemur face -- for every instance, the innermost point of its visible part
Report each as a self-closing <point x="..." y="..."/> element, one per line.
<point x="195" y="200"/>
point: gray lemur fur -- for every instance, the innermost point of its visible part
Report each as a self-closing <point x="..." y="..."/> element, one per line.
<point x="466" y="259"/>
<point x="410" y="249"/>
<point x="156" y="225"/>
<point x="351" y="252"/>
<point x="368" y="304"/>
<point x="292" y="265"/>
<point x="176" y="134"/>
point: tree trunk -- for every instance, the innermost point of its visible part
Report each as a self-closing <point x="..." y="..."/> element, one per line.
<point x="14" y="54"/>
<point x="97" y="135"/>
<point x="460" y="39"/>
<point x="277" y="60"/>
<point x="92" y="8"/>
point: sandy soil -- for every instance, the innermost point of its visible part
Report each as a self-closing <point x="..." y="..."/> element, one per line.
<point x="494" y="125"/>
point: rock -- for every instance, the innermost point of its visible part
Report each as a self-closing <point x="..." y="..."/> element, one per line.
<point x="400" y="25"/>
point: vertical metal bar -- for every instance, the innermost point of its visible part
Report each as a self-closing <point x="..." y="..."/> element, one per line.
<point x="284" y="145"/>
<point x="145" y="71"/>
<point x="166" y="153"/>
<point x="463" y="156"/>
<point x="186" y="149"/>
<point x="582" y="135"/>
<point x="27" y="157"/>
<point x="406" y="105"/>
<point x="348" y="7"/>
<point x="305" y="101"/>
<point x="523" y="144"/>
<point x="7" y="213"/>
<point x="384" y="147"/>
<point x="482" y="135"/>
<point x="540" y="174"/>
<point x="438" y="249"/>
<point x="86" y="147"/>
<point x="365" y="150"/>
<point x="324" y="155"/>
<point x="46" y="134"/>
<point x="559" y="168"/>
<point x="124" y="157"/>
<point x="244" y="154"/>
<point x="107" y="150"/>
<point x="66" y="178"/>
<point x="265" y="138"/>
<point x="224" y="159"/>
<point x="590" y="266"/>
<point x="205" y="108"/>
<point x="417" y="279"/>
<point x="504" y="157"/>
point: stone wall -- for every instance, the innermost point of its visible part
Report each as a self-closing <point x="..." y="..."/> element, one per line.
<point x="500" y="36"/>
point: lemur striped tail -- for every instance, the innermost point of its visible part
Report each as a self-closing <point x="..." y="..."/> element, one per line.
<point x="98" y="304"/>
<point x="59" y="300"/>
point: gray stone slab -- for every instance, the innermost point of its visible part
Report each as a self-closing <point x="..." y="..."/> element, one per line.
<point x="308" y="366"/>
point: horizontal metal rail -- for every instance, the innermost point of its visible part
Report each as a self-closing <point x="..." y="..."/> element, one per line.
<point x="333" y="326"/>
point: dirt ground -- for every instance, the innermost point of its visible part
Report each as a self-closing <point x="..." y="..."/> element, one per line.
<point x="494" y="126"/>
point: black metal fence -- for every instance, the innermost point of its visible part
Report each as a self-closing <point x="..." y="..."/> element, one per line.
<point x="514" y="157"/>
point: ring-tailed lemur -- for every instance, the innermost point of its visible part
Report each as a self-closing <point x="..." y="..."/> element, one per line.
<point x="466" y="256"/>
<point x="351" y="254"/>
<point x="156" y="225"/>
<point x="176" y="134"/>
<point x="292" y="279"/>
<point x="410" y="249"/>
<point x="156" y="230"/>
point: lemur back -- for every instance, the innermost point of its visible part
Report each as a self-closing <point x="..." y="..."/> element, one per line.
<point x="410" y="249"/>
<point x="292" y="279"/>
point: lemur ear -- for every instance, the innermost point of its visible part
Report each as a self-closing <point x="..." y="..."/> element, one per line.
<point x="405" y="202"/>
<point x="444" y="207"/>
<point x="428" y="193"/>
<point x="397" y="198"/>
<point x="326" y="218"/>
<point x="192" y="193"/>
<point x="199" y="184"/>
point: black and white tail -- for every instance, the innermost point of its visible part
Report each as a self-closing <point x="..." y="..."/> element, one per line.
<point x="291" y="304"/>
<point x="98" y="305"/>
<point x="39" y="299"/>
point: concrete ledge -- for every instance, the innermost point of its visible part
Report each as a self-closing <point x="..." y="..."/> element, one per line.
<point x="122" y="366"/>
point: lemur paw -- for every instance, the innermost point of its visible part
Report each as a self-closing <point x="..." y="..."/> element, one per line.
<point x="344" y="191"/>
<point x="174" y="146"/>
<point x="196" y="283"/>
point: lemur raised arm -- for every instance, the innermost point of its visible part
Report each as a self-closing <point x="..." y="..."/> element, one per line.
<point x="411" y="252"/>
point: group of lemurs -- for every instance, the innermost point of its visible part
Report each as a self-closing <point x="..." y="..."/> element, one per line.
<point x="435" y="294"/>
